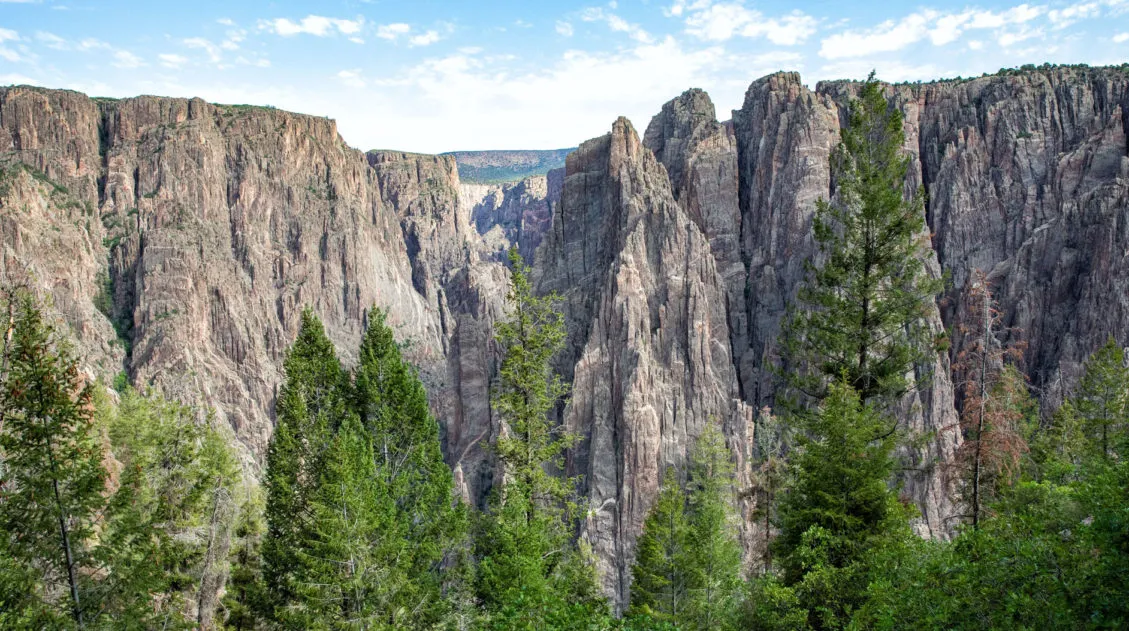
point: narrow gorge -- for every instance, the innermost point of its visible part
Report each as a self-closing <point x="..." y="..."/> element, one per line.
<point x="180" y="240"/>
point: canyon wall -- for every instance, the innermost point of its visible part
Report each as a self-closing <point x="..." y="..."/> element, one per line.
<point x="178" y="241"/>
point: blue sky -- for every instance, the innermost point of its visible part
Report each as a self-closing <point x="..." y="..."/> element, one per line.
<point x="439" y="75"/>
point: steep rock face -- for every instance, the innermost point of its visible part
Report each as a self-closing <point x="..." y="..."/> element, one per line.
<point x="700" y="156"/>
<point x="785" y="134"/>
<point x="1028" y="180"/>
<point x="229" y="223"/>
<point x="511" y="213"/>
<point x="649" y="349"/>
<point x="179" y="240"/>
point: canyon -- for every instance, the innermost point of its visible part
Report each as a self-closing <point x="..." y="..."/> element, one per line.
<point x="178" y="242"/>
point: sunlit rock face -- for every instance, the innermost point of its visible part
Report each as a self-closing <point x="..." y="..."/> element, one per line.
<point x="178" y="241"/>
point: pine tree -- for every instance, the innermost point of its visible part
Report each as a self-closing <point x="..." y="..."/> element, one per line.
<point x="429" y="524"/>
<point x="245" y="599"/>
<point x="714" y="555"/>
<point x="341" y="568"/>
<point x="530" y="574"/>
<point x="862" y="308"/>
<point x="838" y="508"/>
<point x="659" y="575"/>
<point x="51" y="478"/>
<point x="169" y="514"/>
<point x="1102" y="400"/>
<point x="311" y="402"/>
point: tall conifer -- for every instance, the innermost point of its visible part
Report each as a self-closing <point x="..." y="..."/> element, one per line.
<point x="863" y="305"/>
<point x="311" y="403"/>
<point x="659" y="577"/>
<point x="51" y="478"/>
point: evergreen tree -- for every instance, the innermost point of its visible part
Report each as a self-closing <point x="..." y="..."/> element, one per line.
<point x="245" y="599"/>
<point x="428" y="524"/>
<point x="311" y="403"/>
<point x="341" y="568"/>
<point x="1102" y="400"/>
<point x="530" y="574"/>
<point x="169" y="514"/>
<point x="51" y="478"/>
<point x="659" y="575"/>
<point x="714" y="555"/>
<point x="839" y="509"/>
<point x="862" y="308"/>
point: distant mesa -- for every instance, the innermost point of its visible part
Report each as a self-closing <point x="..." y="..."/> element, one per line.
<point x="496" y="167"/>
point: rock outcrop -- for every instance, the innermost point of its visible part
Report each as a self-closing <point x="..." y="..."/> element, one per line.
<point x="516" y="213"/>
<point x="648" y="355"/>
<point x="179" y="241"/>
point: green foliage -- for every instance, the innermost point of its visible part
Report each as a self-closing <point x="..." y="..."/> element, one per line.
<point x="862" y="308"/>
<point x="90" y="544"/>
<point x="838" y="510"/>
<point x="245" y="599"/>
<point x="361" y="515"/>
<point x="528" y="390"/>
<point x="176" y="481"/>
<point x="659" y="577"/>
<point x="51" y="478"/>
<point x="342" y="573"/>
<point x="1102" y="401"/>
<point x="714" y="560"/>
<point x="1052" y="553"/>
<point x="426" y="525"/>
<point x="310" y="403"/>
<point x="688" y="561"/>
<point x="530" y="573"/>
<point x="770" y="606"/>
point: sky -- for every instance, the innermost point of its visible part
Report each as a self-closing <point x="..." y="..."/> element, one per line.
<point x="441" y="75"/>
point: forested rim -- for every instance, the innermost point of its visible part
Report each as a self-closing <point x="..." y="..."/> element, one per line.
<point x="122" y="510"/>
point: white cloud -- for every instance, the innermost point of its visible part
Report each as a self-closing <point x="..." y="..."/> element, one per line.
<point x="725" y="20"/>
<point x="949" y="28"/>
<point x="888" y="36"/>
<point x="8" y="35"/>
<point x="170" y="60"/>
<point x="126" y="59"/>
<point x="234" y="38"/>
<point x="939" y="28"/>
<point x="1010" y="38"/>
<point x="316" y="25"/>
<point x="1121" y="38"/>
<point x="393" y="31"/>
<point x="616" y="23"/>
<point x="352" y="78"/>
<point x="52" y="40"/>
<point x="681" y="6"/>
<point x="564" y="28"/>
<point x="889" y="70"/>
<point x="18" y="79"/>
<point x="225" y="22"/>
<point x="1062" y="18"/>
<point x="585" y="90"/>
<point x="213" y="51"/>
<point x="425" y="39"/>
<point x="93" y="44"/>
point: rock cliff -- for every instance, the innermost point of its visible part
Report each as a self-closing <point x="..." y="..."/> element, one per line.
<point x="179" y="240"/>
